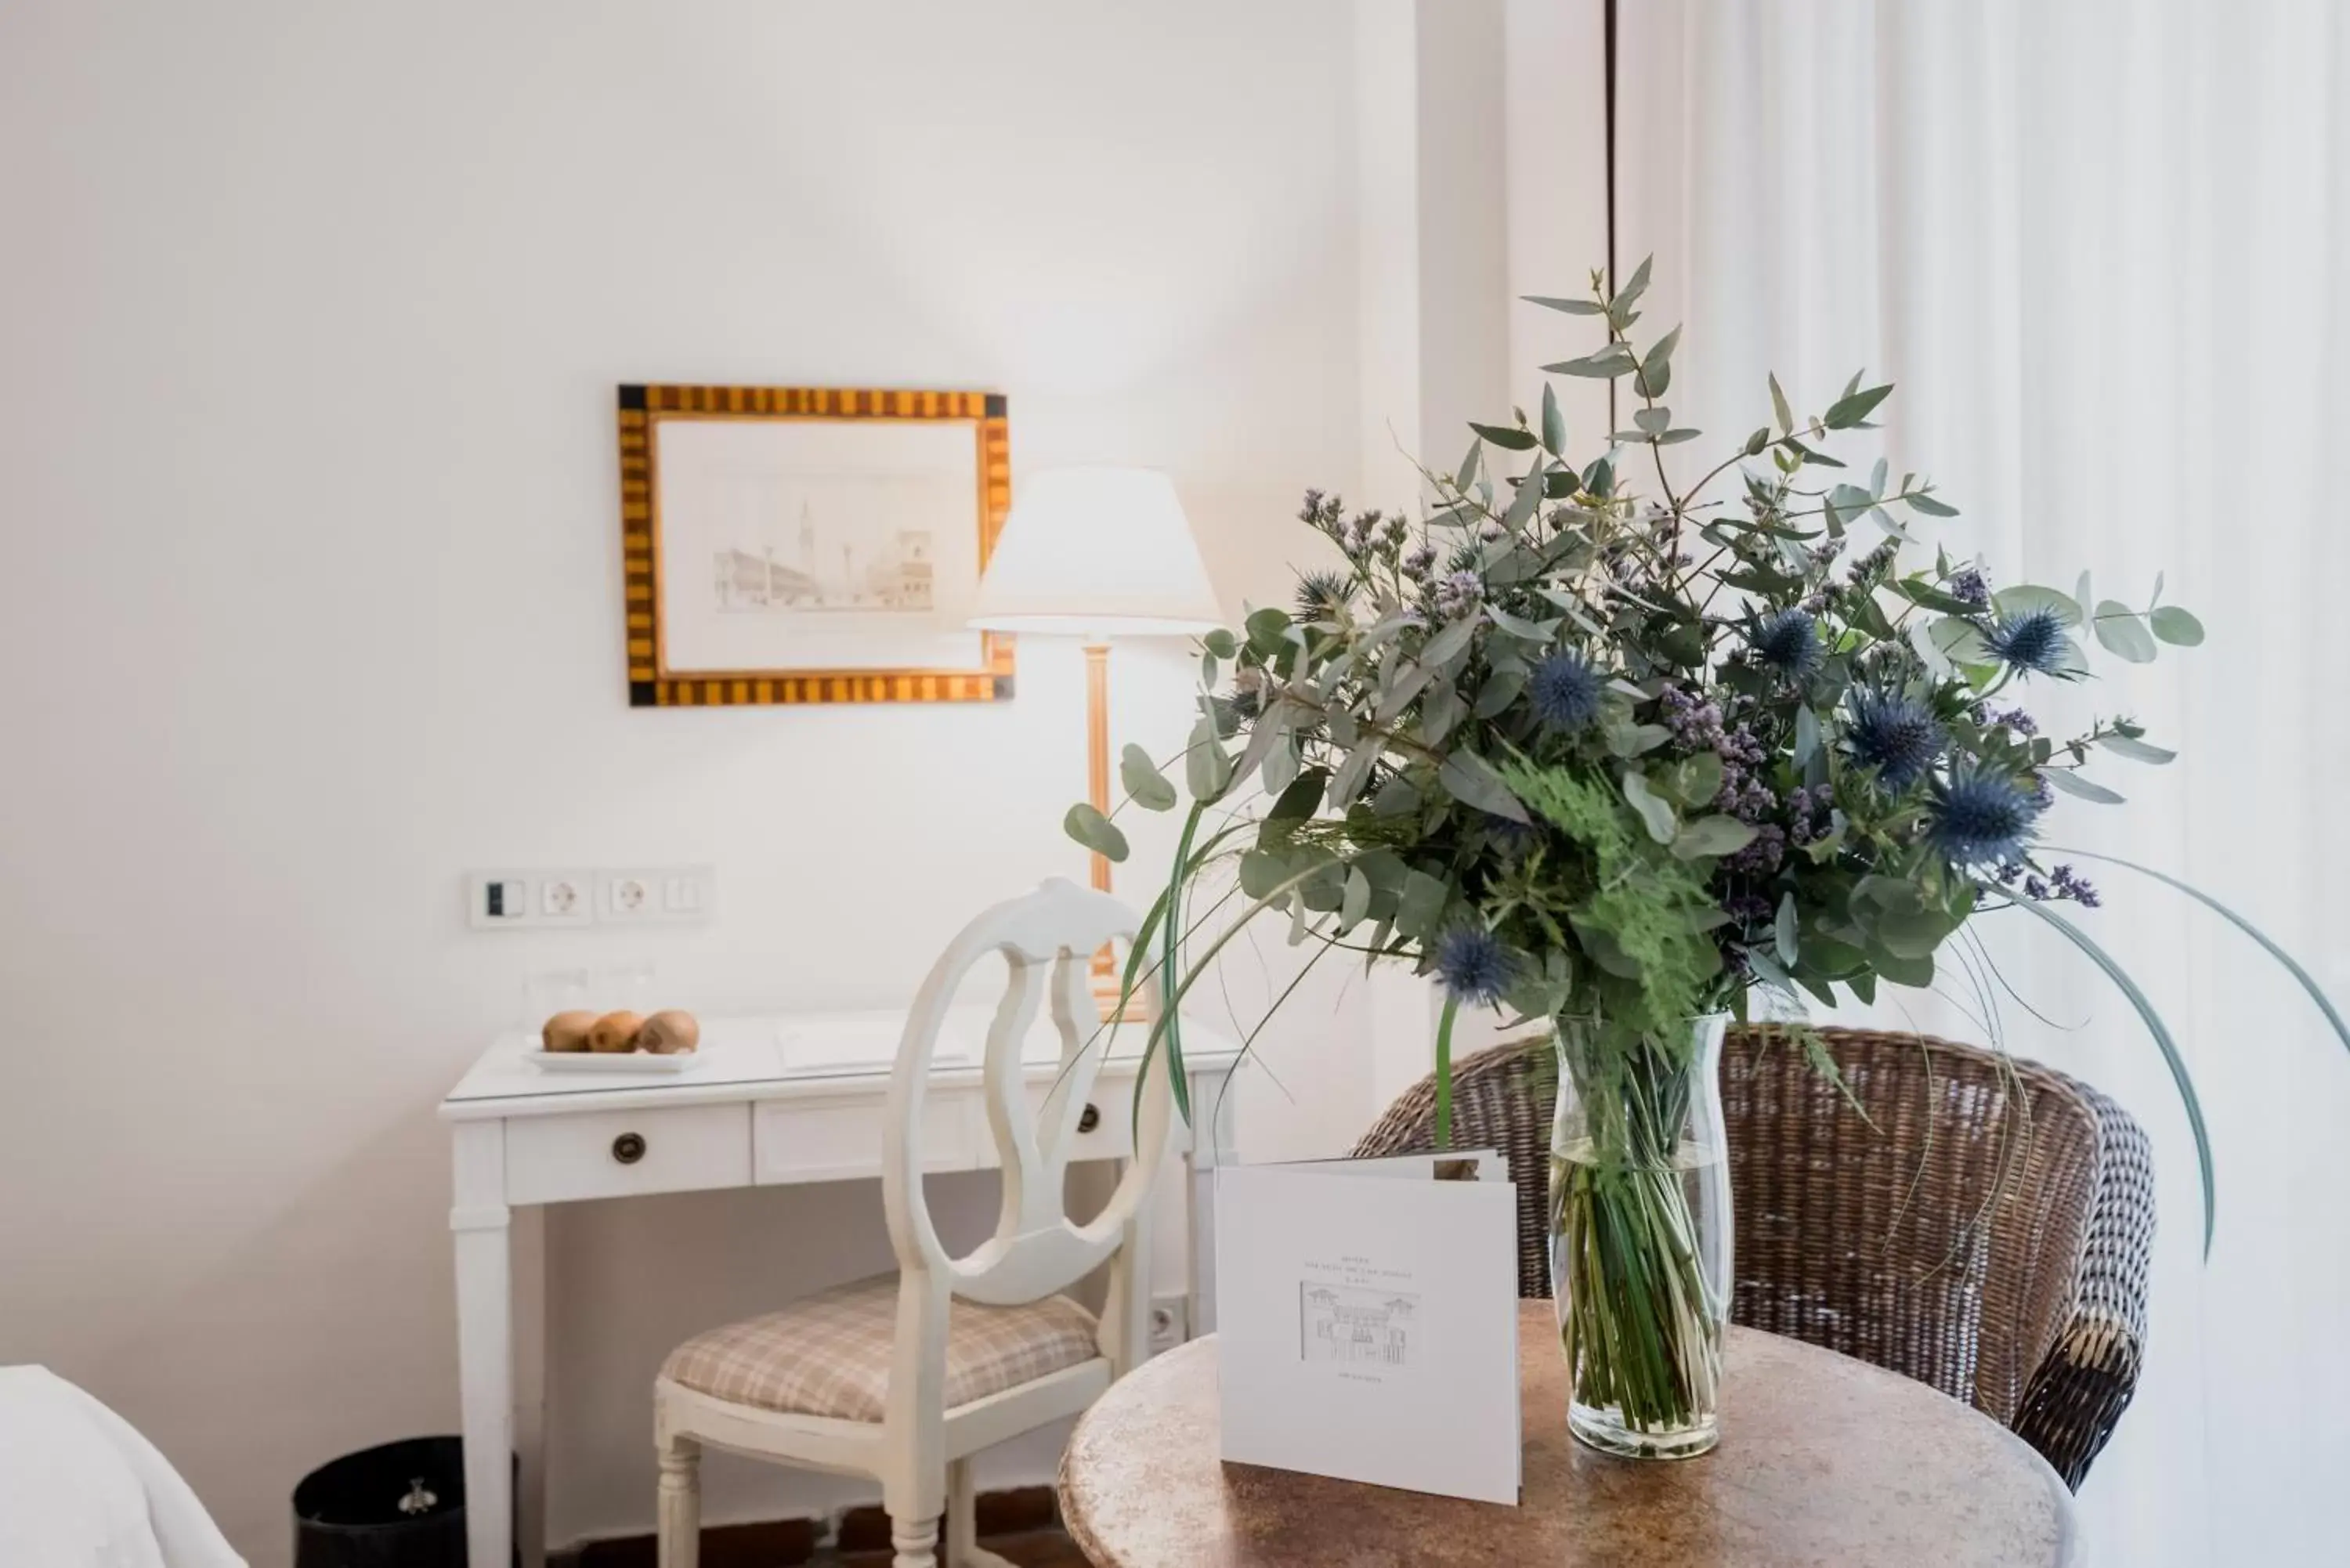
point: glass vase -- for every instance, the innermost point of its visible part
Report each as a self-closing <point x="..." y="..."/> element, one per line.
<point x="1640" y="1239"/>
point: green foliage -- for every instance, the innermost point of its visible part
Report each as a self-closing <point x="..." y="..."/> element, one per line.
<point x="1648" y="734"/>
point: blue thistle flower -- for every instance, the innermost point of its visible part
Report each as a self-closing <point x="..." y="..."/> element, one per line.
<point x="1980" y="818"/>
<point x="1788" y="641"/>
<point x="1321" y="595"/>
<point x="1564" y="692"/>
<point x="2031" y="642"/>
<point x="1895" y="734"/>
<point x="1475" y="968"/>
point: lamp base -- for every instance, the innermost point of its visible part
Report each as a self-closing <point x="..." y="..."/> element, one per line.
<point x="1107" y="982"/>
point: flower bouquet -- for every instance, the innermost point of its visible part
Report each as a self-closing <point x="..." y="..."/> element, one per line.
<point x="1613" y="749"/>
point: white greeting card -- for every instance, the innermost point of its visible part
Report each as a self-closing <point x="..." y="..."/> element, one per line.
<point x="1367" y="1321"/>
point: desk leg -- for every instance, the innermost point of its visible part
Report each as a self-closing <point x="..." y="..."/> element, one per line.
<point x="484" y="1338"/>
<point x="1212" y="1118"/>
<point x="529" y="1319"/>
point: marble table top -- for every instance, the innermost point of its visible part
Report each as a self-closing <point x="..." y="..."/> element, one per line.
<point x="1824" y="1462"/>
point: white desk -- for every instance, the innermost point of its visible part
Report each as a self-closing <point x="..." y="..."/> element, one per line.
<point x="769" y="1102"/>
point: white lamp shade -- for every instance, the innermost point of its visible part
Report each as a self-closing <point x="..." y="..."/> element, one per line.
<point x="1097" y="552"/>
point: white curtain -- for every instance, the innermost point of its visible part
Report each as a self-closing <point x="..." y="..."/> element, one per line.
<point x="2099" y="247"/>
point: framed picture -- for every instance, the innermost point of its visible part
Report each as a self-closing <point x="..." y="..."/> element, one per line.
<point x="810" y="543"/>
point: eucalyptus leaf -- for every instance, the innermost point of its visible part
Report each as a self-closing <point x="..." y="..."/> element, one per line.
<point x="1145" y="784"/>
<point x="1656" y="812"/>
<point x="2136" y="749"/>
<point x="1553" y="424"/>
<point x="1572" y="307"/>
<point x="1355" y="902"/>
<point x="1711" y="838"/>
<point x="2026" y="597"/>
<point x="1784" y="930"/>
<point x="2175" y="625"/>
<point x="1421" y="906"/>
<point x="1505" y="436"/>
<point x="2123" y="633"/>
<point x="1207" y="769"/>
<point x="1779" y="408"/>
<point x="1471" y="780"/>
<point x="2070" y="782"/>
<point x="1088" y="826"/>
<point x="1604" y="366"/>
<point x="1926" y="504"/>
<point x="1854" y="407"/>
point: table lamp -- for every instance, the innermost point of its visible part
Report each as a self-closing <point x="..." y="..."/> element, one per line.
<point x="1097" y="553"/>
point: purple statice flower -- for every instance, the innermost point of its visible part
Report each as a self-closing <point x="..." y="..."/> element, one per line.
<point x="1474" y="965"/>
<point x="2014" y="719"/>
<point x="1761" y="856"/>
<point x="1786" y="640"/>
<point x="1419" y="561"/>
<point x="1980" y="819"/>
<point x="1321" y="511"/>
<point x="1564" y="691"/>
<point x="1397" y="528"/>
<point x="2066" y="883"/>
<point x="2043" y="793"/>
<point x="1695" y="722"/>
<point x="1967" y="587"/>
<point x="1489" y="530"/>
<point x="2034" y="888"/>
<point x="1459" y="595"/>
<point x="1323" y="595"/>
<point x="1894" y="733"/>
<point x="2031" y="642"/>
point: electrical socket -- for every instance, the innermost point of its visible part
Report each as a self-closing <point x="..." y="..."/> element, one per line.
<point x="656" y="895"/>
<point x="1169" y="1321"/>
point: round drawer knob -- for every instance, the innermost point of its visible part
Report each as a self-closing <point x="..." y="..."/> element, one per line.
<point x="1088" y="1118"/>
<point x="628" y="1148"/>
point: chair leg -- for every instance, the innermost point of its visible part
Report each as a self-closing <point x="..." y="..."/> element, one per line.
<point x="915" y="1542"/>
<point x="962" y="1514"/>
<point x="963" y="1549"/>
<point x="679" y="1515"/>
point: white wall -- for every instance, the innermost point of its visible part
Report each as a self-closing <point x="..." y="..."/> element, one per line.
<point x="310" y="320"/>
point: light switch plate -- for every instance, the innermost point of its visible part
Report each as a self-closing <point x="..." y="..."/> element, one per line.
<point x="525" y="900"/>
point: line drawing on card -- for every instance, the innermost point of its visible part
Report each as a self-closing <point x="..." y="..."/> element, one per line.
<point x="1346" y="1326"/>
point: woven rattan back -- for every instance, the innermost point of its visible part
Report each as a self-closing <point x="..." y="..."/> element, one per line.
<point x="1936" y="1222"/>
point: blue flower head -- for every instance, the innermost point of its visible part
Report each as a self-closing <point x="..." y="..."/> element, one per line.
<point x="2031" y="642"/>
<point x="1895" y="734"/>
<point x="1321" y="595"/>
<point x="1980" y="818"/>
<point x="1788" y="641"/>
<point x="1475" y="968"/>
<point x="1564" y="692"/>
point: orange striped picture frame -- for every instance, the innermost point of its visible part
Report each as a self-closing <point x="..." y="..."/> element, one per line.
<point x="645" y="570"/>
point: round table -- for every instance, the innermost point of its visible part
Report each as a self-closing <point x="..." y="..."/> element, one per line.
<point x="1825" y="1460"/>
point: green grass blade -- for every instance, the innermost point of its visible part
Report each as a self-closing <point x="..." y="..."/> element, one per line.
<point x="2170" y="1047"/>
<point x="2308" y="981"/>
<point x="1444" y="1072"/>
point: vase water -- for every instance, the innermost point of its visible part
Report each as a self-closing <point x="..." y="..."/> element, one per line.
<point x="1640" y="1236"/>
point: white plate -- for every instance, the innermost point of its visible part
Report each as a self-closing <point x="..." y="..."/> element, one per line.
<point x="610" y="1060"/>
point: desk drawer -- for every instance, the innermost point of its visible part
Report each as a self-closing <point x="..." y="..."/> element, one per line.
<point x="615" y="1153"/>
<point x="1111" y="1135"/>
<point x="840" y="1140"/>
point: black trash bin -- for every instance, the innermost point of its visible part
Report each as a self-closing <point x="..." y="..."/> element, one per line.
<point x="401" y="1505"/>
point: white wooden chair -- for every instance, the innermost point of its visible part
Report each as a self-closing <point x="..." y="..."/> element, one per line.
<point x="904" y="1379"/>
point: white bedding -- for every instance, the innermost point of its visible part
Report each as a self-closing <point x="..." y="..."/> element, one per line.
<point x="80" y="1488"/>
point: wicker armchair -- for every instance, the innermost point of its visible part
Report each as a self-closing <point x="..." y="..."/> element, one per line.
<point x="1989" y="1235"/>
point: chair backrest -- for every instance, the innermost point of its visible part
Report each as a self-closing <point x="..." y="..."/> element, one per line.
<point x="1944" y="1226"/>
<point x="1046" y="939"/>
